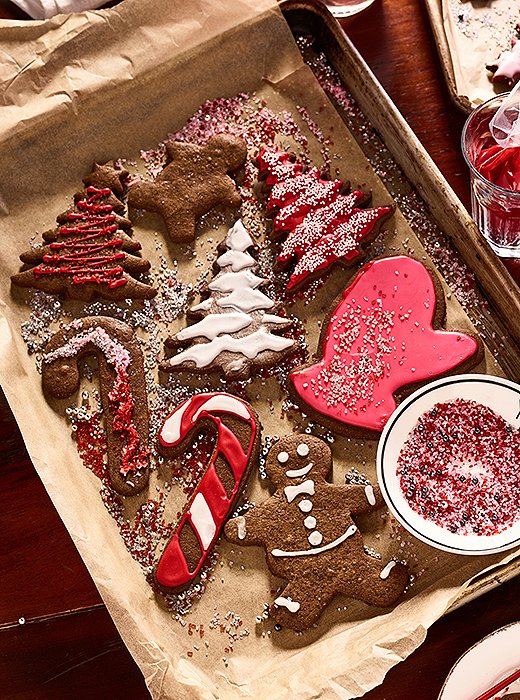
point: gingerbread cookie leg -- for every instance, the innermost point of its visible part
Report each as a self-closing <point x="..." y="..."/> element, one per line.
<point x="123" y="391"/>
<point x="377" y="583"/>
<point x="237" y="446"/>
<point x="298" y="607"/>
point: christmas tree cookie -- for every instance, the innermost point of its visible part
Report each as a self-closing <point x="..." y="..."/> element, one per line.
<point x="319" y="221"/>
<point x="90" y="254"/>
<point x="381" y="337"/>
<point x="237" y="329"/>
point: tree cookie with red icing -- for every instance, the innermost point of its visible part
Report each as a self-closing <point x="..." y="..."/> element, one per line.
<point x="236" y="429"/>
<point x="381" y="340"/>
<point x="310" y="538"/>
<point x="123" y="391"/>
<point x="320" y="222"/>
<point x="195" y="180"/>
<point x="90" y="254"/>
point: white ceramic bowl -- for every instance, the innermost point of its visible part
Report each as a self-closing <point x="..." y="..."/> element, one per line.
<point x="484" y="665"/>
<point x="503" y="397"/>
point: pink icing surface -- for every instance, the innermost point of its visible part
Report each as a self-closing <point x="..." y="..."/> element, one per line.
<point x="380" y="338"/>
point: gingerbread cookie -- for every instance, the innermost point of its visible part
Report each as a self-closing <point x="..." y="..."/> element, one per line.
<point x="237" y="432"/>
<point x="196" y="179"/>
<point x="108" y="175"/>
<point x="320" y="221"/>
<point x="237" y="330"/>
<point x="381" y="337"/>
<point x="88" y="255"/>
<point x="123" y="391"/>
<point x="506" y="68"/>
<point x="309" y="536"/>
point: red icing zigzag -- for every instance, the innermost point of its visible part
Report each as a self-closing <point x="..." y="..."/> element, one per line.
<point x="380" y="338"/>
<point x="323" y="225"/>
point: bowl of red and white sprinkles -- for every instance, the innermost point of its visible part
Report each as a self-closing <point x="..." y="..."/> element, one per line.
<point x="448" y="464"/>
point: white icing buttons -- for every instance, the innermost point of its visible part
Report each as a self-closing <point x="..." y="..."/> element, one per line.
<point x="315" y="538"/>
<point x="283" y="457"/>
<point x="302" y="449"/>
<point x="305" y="506"/>
<point x="310" y="522"/>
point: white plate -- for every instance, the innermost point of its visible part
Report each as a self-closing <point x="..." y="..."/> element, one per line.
<point x="503" y="397"/>
<point x="493" y="658"/>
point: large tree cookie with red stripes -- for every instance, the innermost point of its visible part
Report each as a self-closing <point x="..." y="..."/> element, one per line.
<point x="196" y="180"/>
<point x="310" y="538"/>
<point x="237" y="443"/>
<point x="123" y="391"/>
<point x="320" y="222"/>
<point x="382" y="339"/>
<point x="90" y="254"/>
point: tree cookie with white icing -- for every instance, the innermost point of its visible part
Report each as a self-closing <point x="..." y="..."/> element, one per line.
<point x="310" y="538"/>
<point x="238" y="329"/>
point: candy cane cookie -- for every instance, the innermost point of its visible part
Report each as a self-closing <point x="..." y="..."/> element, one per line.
<point x="122" y="390"/>
<point x="237" y="446"/>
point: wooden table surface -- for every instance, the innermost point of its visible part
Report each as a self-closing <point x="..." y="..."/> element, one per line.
<point x="57" y="639"/>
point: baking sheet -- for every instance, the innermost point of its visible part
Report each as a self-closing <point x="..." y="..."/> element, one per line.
<point x="469" y="36"/>
<point x="48" y="144"/>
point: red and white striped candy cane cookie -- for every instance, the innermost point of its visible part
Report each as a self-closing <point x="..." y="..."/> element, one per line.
<point x="122" y="390"/>
<point x="236" y="450"/>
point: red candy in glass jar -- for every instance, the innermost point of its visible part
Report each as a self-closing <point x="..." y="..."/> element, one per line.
<point x="495" y="179"/>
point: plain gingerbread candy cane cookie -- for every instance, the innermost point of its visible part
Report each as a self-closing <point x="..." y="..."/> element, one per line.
<point x="123" y="391"/>
<point x="237" y="431"/>
<point x="310" y="538"/>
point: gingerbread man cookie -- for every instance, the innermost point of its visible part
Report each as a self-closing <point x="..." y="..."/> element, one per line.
<point x="310" y="538"/>
<point x="196" y="179"/>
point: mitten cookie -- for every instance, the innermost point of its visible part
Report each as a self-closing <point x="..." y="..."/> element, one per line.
<point x="237" y="330"/>
<point x="237" y="431"/>
<point x="320" y="221"/>
<point x="123" y="391"/>
<point x="309" y="536"/>
<point x="196" y="180"/>
<point x="380" y="338"/>
<point x="88" y="255"/>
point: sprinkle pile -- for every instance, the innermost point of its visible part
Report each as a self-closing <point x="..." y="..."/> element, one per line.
<point x="459" y="468"/>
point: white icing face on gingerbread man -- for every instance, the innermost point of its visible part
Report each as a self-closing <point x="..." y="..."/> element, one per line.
<point x="295" y="471"/>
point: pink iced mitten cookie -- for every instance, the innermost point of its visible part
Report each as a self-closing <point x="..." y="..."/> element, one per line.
<point x="123" y="391"/>
<point x="506" y="68"/>
<point x="309" y="536"/>
<point x="89" y="254"/>
<point x="321" y="222"/>
<point x="196" y="179"/>
<point x="238" y="330"/>
<point x="237" y="431"/>
<point x="380" y="338"/>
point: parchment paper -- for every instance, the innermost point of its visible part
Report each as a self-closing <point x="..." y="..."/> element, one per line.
<point x="477" y="33"/>
<point x="106" y="85"/>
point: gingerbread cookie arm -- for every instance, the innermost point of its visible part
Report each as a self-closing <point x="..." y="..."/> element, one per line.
<point x="237" y="446"/>
<point x="123" y="391"/>
<point x="253" y="527"/>
<point x="360" y="498"/>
